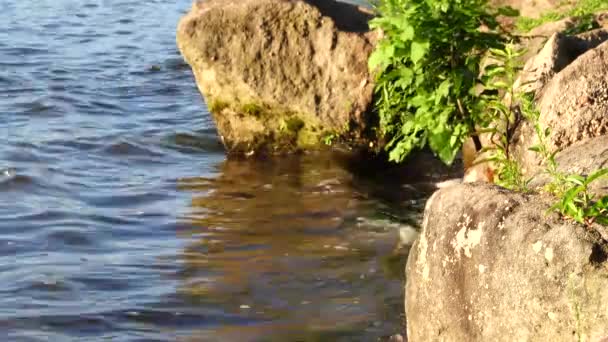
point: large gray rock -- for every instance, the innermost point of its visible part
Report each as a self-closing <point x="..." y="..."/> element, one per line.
<point x="573" y="104"/>
<point x="491" y="265"/>
<point x="281" y="75"/>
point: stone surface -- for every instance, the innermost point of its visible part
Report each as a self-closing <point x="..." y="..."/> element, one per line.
<point x="558" y="52"/>
<point x="529" y="8"/>
<point x="281" y="75"/>
<point x="582" y="158"/>
<point x="491" y="265"/>
<point x="574" y="104"/>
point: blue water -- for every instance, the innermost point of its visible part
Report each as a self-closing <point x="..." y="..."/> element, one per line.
<point x="121" y="218"/>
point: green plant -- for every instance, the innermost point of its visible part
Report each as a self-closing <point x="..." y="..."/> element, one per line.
<point x="252" y="109"/>
<point x="557" y="186"/>
<point x="330" y="138"/>
<point x="428" y="63"/>
<point x="502" y="102"/>
<point x="578" y="204"/>
<point x="571" y="190"/>
<point x="217" y="106"/>
<point x="584" y="9"/>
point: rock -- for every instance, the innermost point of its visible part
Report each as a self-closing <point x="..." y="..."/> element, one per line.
<point x="529" y="8"/>
<point x="582" y="158"/>
<point x="574" y="103"/>
<point x="491" y="265"/>
<point x="281" y="75"/>
<point x="558" y="52"/>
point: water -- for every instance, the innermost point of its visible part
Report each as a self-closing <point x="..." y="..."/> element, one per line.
<point x="122" y="220"/>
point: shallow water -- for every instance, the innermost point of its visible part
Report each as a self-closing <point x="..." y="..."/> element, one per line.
<point x="122" y="220"/>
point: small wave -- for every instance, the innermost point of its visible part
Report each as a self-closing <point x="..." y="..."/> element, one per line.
<point x="68" y="237"/>
<point x="124" y="21"/>
<point x="38" y="107"/>
<point x="25" y="51"/>
<point x="107" y="106"/>
<point x="176" y="64"/>
<point x="46" y="284"/>
<point x="191" y="143"/>
<point x="131" y="199"/>
<point x="123" y="32"/>
<point x="11" y="180"/>
<point x="128" y="148"/>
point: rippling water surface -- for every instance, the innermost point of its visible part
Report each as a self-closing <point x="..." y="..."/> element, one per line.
<point x="122" y="220"/>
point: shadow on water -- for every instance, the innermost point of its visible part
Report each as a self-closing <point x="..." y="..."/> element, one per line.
<point x="302" y="246"/>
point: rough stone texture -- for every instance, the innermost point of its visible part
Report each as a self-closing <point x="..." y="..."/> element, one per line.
<point x="533" y="41"/>
<point x="529" y="8"/>
<point x="582" y="158"/>
<point x="279" y="75"/>
<point x="558" y="52"/>
<point x="490" y="265"/>
<point x="574" y="104"/>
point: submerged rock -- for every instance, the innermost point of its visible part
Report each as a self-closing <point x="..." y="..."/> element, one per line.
<point x="281" y="75"/>
<point x="492" y="265"/>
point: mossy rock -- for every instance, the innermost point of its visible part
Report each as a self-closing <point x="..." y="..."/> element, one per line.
<point x="278" y="75"/>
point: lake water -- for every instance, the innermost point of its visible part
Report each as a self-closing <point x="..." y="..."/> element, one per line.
<point x="122" y="220"/>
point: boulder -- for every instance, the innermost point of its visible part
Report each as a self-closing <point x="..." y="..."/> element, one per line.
<point x="529" y="8"/>
<point x="492" y="265"/>
<point x="581" y="158"/>
<point x="281" y="75"/>
<point x="574" y="102"/>
<point x="558" y="52"/>
<point x="533" y="41"/>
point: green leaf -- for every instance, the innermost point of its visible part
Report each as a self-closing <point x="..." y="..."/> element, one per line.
<point x="576" y="179"/>
<point x="570" y="195"/>
<point x="418" y="50"/>
<point x="444" y="89"/>
<point x="407" y="33"/>
<point x="597" y="174"/>
<point x="508" y="11"/>
<point x="381" y="56"/>
<point x="406" y="75"/>
<point x="439" y="142"/>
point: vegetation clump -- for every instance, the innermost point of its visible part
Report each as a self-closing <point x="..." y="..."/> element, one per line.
<point x="428" y="65"/>
<point x="583" y="9"/>
<point x="433" y="91"/>
<point x="571" y="191"/>
<point x="503" y="106"/>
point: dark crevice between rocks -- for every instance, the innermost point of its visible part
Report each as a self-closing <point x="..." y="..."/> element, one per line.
<point x="598" y="255"/>
<point x="599" y="249"/>
<point x="575" y="46"/>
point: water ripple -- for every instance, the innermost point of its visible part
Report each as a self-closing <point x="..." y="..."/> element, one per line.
<point x="120" y="218"/>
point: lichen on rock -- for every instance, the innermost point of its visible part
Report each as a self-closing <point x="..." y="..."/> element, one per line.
<point x="491" y="265"/>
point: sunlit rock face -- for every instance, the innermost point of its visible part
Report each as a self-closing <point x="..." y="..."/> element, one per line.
<point x="492" y="265"/>
<point x="572" y="97"/>
<point x="279" y="75"/>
